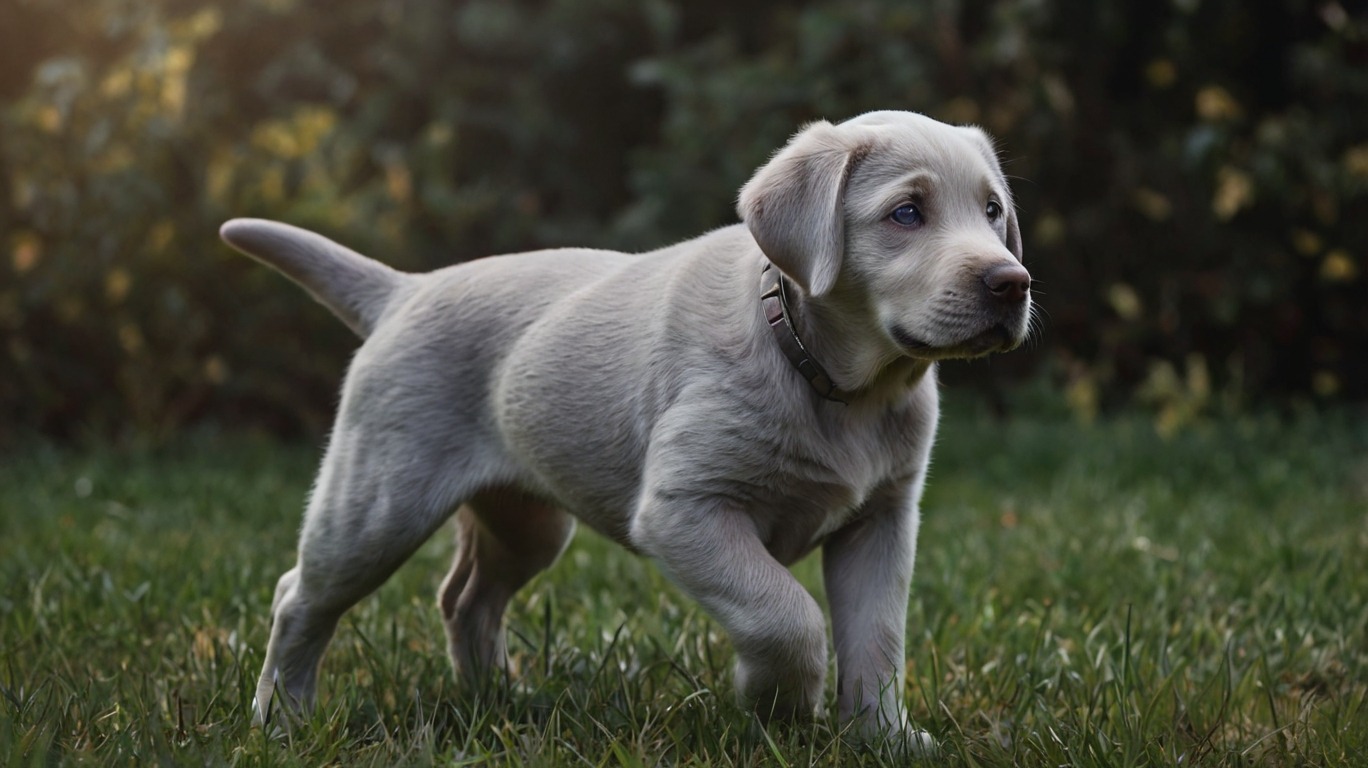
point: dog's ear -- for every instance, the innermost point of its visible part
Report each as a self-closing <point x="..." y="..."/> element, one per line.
<point x="794" y="206"/>
<point x="1013" y="231"/>
<point x="985" y="146"/>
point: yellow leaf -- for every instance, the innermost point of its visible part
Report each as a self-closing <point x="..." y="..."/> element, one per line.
<point x="117" y="283"/>
<point x="117" y="157"/>
<point x="1153" y="204"/>
<point x="1356" y="161"/>
<point x="439" y="134"/>
<point x="1215" y="103"/>
<point x="1161" y="384"/>
<point x="177" y="60"/>
<point x="1325" y="383"/>
<point x="1234" y="191"/>
<point x="1124" y="301"/>
<point x="50" y="119"/>
<point x="215" y="370"/>
<point x="273" y="185"/>
<point x="1306" y="242"/>
<point x="27" y="251"/>
<point x="218" y="175"/>
<point x="160" y="235"/>
<point x="204" y="23"/>
<point x="398" y="182"/>
<point x="1082" y="397"/>
<point x="1198" y="378"/>
<point x="1161" y="73"/>
<point x="117" y="83"/>
<point x="275" y="137"/>
<point x="1050" y="229"/>
<point x="1169" y="421"/>
<point x="130" y="338"/>
<point x="1338" y="266"/>
<point x="297" y="136"/>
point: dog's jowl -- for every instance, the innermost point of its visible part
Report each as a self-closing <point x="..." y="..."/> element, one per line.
<point x="723" y="406"/>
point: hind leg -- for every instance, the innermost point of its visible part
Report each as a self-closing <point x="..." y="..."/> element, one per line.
<point x="504" y="538"/>
<point x="368" y="513"/>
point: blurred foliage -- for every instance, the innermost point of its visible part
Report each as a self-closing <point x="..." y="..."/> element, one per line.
<point x="1193" y="175"/>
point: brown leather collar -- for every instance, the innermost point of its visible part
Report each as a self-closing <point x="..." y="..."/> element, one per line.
<point x="774" y="302"/>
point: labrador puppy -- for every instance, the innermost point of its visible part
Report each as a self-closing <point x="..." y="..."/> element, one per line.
<point x="723" y="406"/>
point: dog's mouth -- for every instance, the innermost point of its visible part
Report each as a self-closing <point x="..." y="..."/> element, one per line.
<point x="906" y="340"/>
<point x="996" y="338"/>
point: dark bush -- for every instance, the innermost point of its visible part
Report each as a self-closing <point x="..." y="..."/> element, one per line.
<point x="1194" y="175"/>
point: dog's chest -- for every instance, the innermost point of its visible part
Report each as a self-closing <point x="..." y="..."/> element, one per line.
<point x="821" y="485"/>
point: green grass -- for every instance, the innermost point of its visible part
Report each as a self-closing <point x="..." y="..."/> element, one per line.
<point x="1084" y="596"/>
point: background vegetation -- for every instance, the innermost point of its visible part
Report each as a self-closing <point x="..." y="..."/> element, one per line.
<point x="1193" y="175"/>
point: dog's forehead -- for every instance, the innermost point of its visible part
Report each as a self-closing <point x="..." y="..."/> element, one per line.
<point x="905" y="144"/>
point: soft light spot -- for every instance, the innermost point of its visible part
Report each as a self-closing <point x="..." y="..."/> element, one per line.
<point x="205" y="23"/>
<point x="1153" y="204"/>
<point x="1325" y="384"/>
<point x="1356" y="161"/>
<point x="117" y="84"/>
<point x="1050" y="229"/>
<point x="1161" y="73"/>
<point x="1082" y="394"/>
<point x="1124" y="301"/>
<point x="215" y="370"/>
<point x="1214" y="103"/>
<point x="25" y="254"/>
<point x="117" y="283"/>
<point x="50" y="119"/>
<point x="160" y="235"/>
<point x="1306" y="242"/>
<point x="1338" y="266"/>
<point x="1234" y="191"/>
<point x="131" y="339"/>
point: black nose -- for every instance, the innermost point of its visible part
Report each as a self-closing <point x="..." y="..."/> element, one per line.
<point x="1008" y="283"/>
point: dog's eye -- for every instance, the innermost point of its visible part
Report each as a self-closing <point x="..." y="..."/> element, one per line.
<point x="907" y="215"/>
<point x="994" y="210"/>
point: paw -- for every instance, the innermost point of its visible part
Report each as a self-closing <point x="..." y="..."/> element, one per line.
<point x="911" y="742"/>
<point x="901" y="743"/>
<point x="774" y="696"/>
<point x="889" y="734"/>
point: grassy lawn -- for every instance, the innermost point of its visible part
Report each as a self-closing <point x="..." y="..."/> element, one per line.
<point x="1084" y="596"/>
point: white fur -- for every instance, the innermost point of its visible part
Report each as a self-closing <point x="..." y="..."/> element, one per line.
<point x="645" y="396"/>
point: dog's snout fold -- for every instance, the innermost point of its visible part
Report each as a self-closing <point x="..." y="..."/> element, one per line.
<point x="1008" y="283"/>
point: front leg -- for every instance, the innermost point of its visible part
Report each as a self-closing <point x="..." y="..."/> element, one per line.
<point x="867" y="568"/>
<point x="713" y="552"/>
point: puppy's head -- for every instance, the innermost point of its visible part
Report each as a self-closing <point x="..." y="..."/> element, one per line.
<point x="905" y="216"/>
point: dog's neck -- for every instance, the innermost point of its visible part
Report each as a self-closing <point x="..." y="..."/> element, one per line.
<point x="774" y="303"/>
<point x="839" y="333"/>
